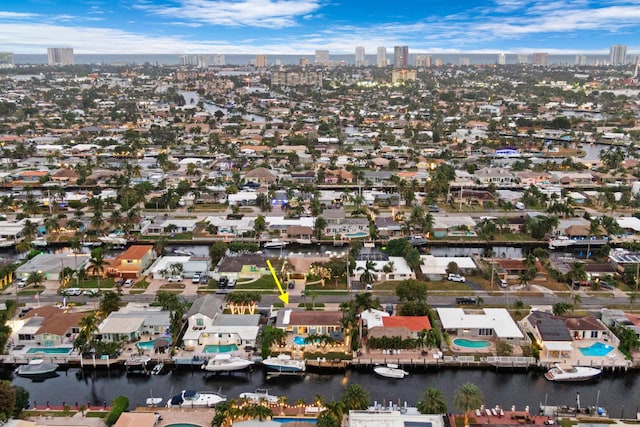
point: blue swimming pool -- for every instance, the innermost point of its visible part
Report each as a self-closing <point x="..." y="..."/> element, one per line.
<point x="462" y="342"/>
<point x="50" y="350"/>
<point x="597" y="349"/>
<point x="298" y="340"/>
<point x="356" y="234"/>
<point x="220" y="348"/>
<point x="148" y="345"/>
<point x="285" y="420"/>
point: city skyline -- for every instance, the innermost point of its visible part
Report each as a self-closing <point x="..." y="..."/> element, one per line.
<point x="304" y="26"/>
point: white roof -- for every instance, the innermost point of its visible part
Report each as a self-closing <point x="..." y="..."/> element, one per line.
<point x="452" y="221"/>
<point x="164" y="263"/>
<point x="438" y="264"/>
<point x="558" y="346"/>
<point x="497" y="319"/>
<point x="281" y="221"/>
<point x="400" y="265"/>
<point x="121" y="325"/>
<point x="629" y="222"/>
<point x="373" y="318"/>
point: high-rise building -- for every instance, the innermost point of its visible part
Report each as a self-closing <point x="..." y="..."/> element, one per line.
<point x="6" y="60"/>
<point x="218" y="60"/>
<point x="60" y="56"/>
<point x="322" y="57"/>
<point x="381" y="57"/>
<point x="401" y="76"/>
<point x="304" y="62"/>
<point x="401" y="56"/>
<point x="540" y="58"/>
<point x="360" y="57"/>
<point x="261" y="61"/>
<point x="523" y="58"/>
<point x="464" y="62"/>
<point x="581" y="59"/>
<point x="502" y="59"/>
<point x="618" y="54"/>
<point x="200" y="61"/>
<point x="439" y="62"/>
<point x="423" y="61"/>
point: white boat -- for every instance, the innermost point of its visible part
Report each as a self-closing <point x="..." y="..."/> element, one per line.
<point x="225" y="362"/>
<point x="157" y="369"/>
<point x="565" y="372"/>
<point x="37" y="367"/>
<point x="137" y="361"/>
<point x="304" y="241"/>
<point x="275" y="244"/>
<point x="196" y="399"/>
<point x="182" y="252"/>
<point x="390" y="370"/>
<point x="260" y="395"/>
<point x="561" y="242"/>
<point x="6" y="243"/>
<point x="113" y="239"/>
<point x="284" y="363"/>
<point x="153" y="401"/>
<point x="40" y="242"/>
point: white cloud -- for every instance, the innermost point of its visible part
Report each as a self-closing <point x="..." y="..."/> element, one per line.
<point x="16" y="15"/>
<point x="255" y="13"/>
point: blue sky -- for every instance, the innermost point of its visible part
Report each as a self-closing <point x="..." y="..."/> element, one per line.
<point x="302" y="26"/>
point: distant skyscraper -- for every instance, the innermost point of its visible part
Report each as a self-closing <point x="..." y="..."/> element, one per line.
<point x="464" y="62"/>
<point x="360" y="57"/>
<point x="261" y="61"/>
<point x="523" y="59"/>
<point x="304" y="62"/>
<point x="618" y="54"/>
<point x="218" y="60"/>
<point x="423" y="61"/>
<point x="322" y="57"/>
<point x="581" y="59"/>
<point x="6" y="60"/>
<point x="439" y="62"/>
<point x="200" y="61"/>
<point x="60" y="56"/>
<point x="401" y="56"/>
<point x="540" y="58"/>
<point x="502" y="59"/>
<point x="381" y="57"/>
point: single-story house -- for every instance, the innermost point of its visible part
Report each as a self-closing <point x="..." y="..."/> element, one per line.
<point x="493" y="323"/>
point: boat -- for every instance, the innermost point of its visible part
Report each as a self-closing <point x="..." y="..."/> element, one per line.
<point x="417" y="240"/>
<point x="37" y="367"/>
<point x="275" y="244"/>
<point x="225" y="362"/>
<point x="196" y="399"/>
<point x="565" y="372"/>
<point x="303" y="241"/>
<point x="561" y="242"/>
<point x="40" y="242"/>
<point x="183" y="252"/>
<point x="113" y="239"/>
<point x="137" y="362"/>
<point x="260" y="395"/>
<point x="390" y="370"/>
<point x="157" y="369"/>
<point x="153" y="401"/>
<point x="284" y="363"/>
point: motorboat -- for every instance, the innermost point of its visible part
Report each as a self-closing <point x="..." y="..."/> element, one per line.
<point x="153" y="401"/>
<point x="260" y="395"/>
<point x="196" y="399"/>
<point x="275" y="244"/>
<point x="390" y="370"/>
<point x="113" y="239"/>
<point x="566" y="372"/>
<point x="37" y="367"/>
<point x="157" y="369"/>
<point x="40" y="242"/>
<point x="303" y="241"/>
<point x="225" y="362"/>
<point x="561" y="242"/>
<point x="183" y="252"/>
<point x="284" y="363"/>
<point x="137" y="362"/>
<point x="417" y="240"/>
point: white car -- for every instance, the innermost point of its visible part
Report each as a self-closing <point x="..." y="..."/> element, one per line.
<point x="196" y="278"/>
<point x="503" y="283"/>
<point x="128" y="283"/>
<point x="175" y="278"/>
<point x="456" y="278"/>
<point x="22" y="282"/>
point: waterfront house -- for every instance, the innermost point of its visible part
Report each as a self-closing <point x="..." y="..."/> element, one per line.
<point x="400" y="326"/>
<point x="160" y="226"/>
<point x="587" y="327"/>
<point x="497" y="176"/>
<point x="131" y="323"/>
<point x="468" y="197"/>
<point x="393" y="416"/>
<point x="487" y="323"/>
<point x="261" y="176"/>
<point x="444" y="226"/>
<point x="308" y="322"/>
<point x="51" y="264"/>
<point x="435" y="268"/>
<point x="619" y="318"/>
<point x="391" y="268"/>
<point x="131" y="263"/>
<point x="162" y="267"/>
<point x="49" y="326"/>
<point x="550" y="333"/>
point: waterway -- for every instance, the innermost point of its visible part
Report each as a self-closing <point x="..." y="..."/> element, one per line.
<point x="617" y="392"/>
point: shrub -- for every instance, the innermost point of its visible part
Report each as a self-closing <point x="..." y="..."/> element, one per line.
<point x="118" y="406"/>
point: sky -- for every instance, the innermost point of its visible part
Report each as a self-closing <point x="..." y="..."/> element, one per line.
<point x="303" y="26"/>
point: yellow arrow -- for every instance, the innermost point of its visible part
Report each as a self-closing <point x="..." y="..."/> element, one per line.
<point x="284" y="296"/>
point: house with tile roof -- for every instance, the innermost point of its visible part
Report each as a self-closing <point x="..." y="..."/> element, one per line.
<point x="400" y="326"/>
<point x="131" y="263"/>
<point x="308" y="322"/>
<point x="50" y="326"/>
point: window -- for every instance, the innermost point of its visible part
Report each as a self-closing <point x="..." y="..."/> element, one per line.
<point x="594" y="334"/>
<point x="199" y="322"/>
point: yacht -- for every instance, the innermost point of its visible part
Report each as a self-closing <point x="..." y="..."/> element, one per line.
<point x="196" y="399"/>
<point x="284" y="363"/>
<point x="40" y="242"/>
<point x="113" y="239"/>
<point x="183" y="252"/>
<point x="225" y="362"/>
<point x="275" y="244"/>
<point x="564" y="372"/>
<point x="37" y="367"/>
<point x="561" y="242"/>
<point x="260" y="395"/>
<point x="390" y="370"/>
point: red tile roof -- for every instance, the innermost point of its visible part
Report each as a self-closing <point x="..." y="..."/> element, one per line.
<point x="413" y="323"/>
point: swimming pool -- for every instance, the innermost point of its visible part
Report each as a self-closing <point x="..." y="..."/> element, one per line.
<point x="50" y="350"/>
<point x="596" y="349"/>
<point x="298" y="340"/>
<point x="462" y="342"/>
<point x="284" y="420"/>
<point x="356" y="234"/>
<point x="219" y="348"/>
<point x="148" y="345"/>
<point x="183" y="425"/>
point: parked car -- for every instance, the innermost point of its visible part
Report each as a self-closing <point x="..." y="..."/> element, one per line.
<point x="91" y="292"/>
<point x="503" y="283"/>
<point x="195" y="278"/>
<point x="223" y="282"/>
<point x="24" y="311"/>
<point x="204" y="279"/>
<point x="434" y="208"/>
<point x="452" y="277"/>
<point x="232" y="283"/>
<point x="175" y="278"/>
<point x="120" y="281"/>
<point x="291" y="284"/>
<point x="72" y="292"/>
<point x="128" y="283"/>
<point x="605" y="285"/>
<point x="22" y="282"/>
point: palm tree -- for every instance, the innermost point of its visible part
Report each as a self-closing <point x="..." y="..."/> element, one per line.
<point x="595" y="232"/>
<point x="35" y="278"/>
<point x="468" y="396"/>
<point x="432" y="402"/>
<point x="367" y="275"/>
<point x="261" y="412"/>
<point x="355" y="397"/>
<point x="97" y="264"/>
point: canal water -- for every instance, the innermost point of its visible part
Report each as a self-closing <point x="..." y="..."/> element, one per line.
<point x="618" y="392"/>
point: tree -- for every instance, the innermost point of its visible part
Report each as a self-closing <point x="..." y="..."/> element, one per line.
<point x="432" y="401"/>
<point x="97" y="264"/>
<point x="35" y="278"/>
<point x="411" y="290"/>
<point x="217" y="251"/>
<point x="109" y="303"/>
<point x="367" y="274"/>
<point x="355" y="397"/>
<point x="467" y="397"/>
<point x="561" y="308"/>
<point x="7" y="400"/>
